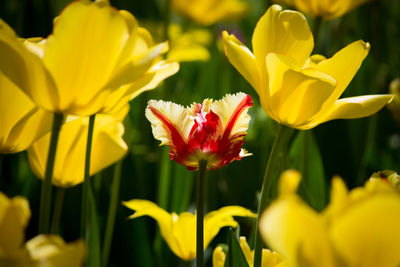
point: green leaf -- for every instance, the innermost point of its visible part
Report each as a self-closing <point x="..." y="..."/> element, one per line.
<point x="235" y="256"/>
<point x="305" y="157"/>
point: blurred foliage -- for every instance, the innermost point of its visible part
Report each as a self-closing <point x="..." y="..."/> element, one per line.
<point x="353" y="149"/>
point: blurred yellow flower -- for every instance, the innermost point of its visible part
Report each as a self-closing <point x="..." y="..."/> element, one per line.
<point x="42" y="250"/>
<point x="179" y="231"/>
<point x="269" y="258"/>
<point x="14" y="217"/>
<point x="327" y="9"/>
<point x="107" y="148"/>
<point x="359" y="228"/>
<point x="21" y="121"/>
<point x="94" y="50"/>
<point x="295" y="89"/>
<point x="207" y="12"/>
<point x="188" y="45"/>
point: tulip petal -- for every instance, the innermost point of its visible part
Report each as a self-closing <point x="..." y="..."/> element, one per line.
<point x="52" y="251"/>
<point x="107" y="148"/>
<point x="83" y="51"/>
<point x="183" y="236"/>
<point x="282" y="32"/>
<point x="242" y="59"/>
<point x="369" y="235"/>
<point x="290" y="227"/>
<point x="358" y="107"/>
<point x="232" y="111"/>
<point x="343" y="66"/>
<point x="170" y="123"/>
<point x="215" y="220"/>
<point x="135" y="68"/>
<point x="14" y="217"/>
<point x="25" y="69"/>
<point x="296" y="95"/>
<point x="218" y="257"/>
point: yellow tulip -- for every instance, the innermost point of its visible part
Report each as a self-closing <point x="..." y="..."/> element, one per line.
<point x="179" y="231"/>
<point x="327" y="9"/>
<point x="42" y="250"/>
<point x="94" y="50"/>
<point x="52" y="251"/>
<point x="269" y="258"/>
<point x="108" y="147"/>
<point x="295" y="89"/>
<point x="358" y="228"/>
<point x="207" y="12"/>
<point x="21" y="121"/>
<point x="14" y="217"/>
<point x="188" y="45"/>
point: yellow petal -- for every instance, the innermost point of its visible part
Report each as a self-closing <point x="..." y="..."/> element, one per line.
<point x="107" y="148"/>
<point x="218" y="257"/>
<point x="25" y="69"/>
<point x="175" y="114"/>
<point x="150" y="80"/>
<point x="338" y="200"/>
<point x="282" y="32"/>
<point x="82" y="53"/>
<point x="290" y="227"/>
<point x="215" y="220"/>
<point x="21" y="122"/>
<point x="296" y="95"/>
<point x="52" y="251"/>
<point x="368" y="235"/>
<point x="289" y="182"/>
<point x="358" y="107"/>
<point x="178" y="232"/>
<point x="243" y="60"/>
<point x="135" y="68"/>
<point x="343" y="66"/>
<point x="14" y="217"/>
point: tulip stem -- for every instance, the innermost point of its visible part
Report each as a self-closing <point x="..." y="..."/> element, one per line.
<point x="167" y="19"/>
<point x="112" y="211"/>
<point x="85" y="205"/>
<point x="57" y="211"/>
<point x="269" y="187"/>
<point x="45" y="194"/>
<point x="200" y="213"/>
<point x="316" y="31"/>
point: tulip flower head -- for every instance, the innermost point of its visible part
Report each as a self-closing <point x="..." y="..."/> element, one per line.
<point x="213" y="130"/>
<point x="108" y="147"/>
<point x="42" y="250"/>
<point x="179" y="231"/>
<point x="295" y="89"/>
<point x="359" y="228"/>
<point x="269" y="258"/>
<point x="328" y="9"/>
<point x="93" y="52"/>
<point x="207" y="12"/>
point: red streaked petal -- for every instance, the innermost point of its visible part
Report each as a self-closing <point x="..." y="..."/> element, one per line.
<point x="239" y="120"/>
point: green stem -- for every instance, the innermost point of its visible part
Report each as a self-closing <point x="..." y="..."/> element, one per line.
<point x="84" y="210"/>
<point x="45" y="194"/>
<point x="2" y="156"/>
<point x="57" y="210"/>
<point x="112" y="211"/>
<point x="167" y="19"/>
<point x="200" y="213"/>
<point x="316" y="31"/>
<point x="268" y="190"/>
